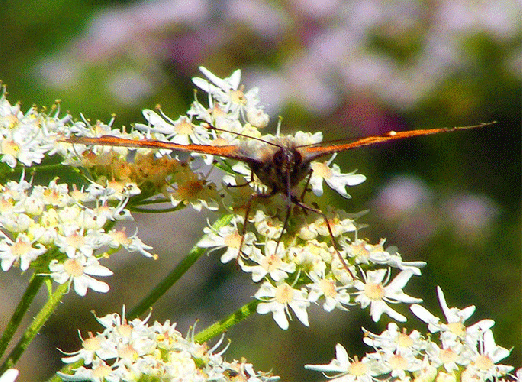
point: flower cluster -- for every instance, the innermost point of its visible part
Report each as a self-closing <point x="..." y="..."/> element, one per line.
<point x="300" y="255"/>
<point x="136" y="351"/>
<point x="453" y="351"/>
<point x="27" y="138"/>
<point x="51" y="229"/>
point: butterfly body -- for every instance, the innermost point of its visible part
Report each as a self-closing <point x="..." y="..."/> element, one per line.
<point x="279" y="166"/>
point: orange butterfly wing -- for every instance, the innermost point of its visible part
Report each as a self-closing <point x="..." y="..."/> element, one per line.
<point x="315" y="151"/>
<point x="227" y="151"/>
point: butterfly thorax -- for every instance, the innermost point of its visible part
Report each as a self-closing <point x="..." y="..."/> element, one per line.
<point x="279" y="166"/>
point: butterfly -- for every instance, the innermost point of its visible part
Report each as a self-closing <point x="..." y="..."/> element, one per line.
<point x="280" y="164"/>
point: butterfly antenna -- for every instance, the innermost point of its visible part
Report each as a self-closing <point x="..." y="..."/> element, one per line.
<point x="209" y="126"/>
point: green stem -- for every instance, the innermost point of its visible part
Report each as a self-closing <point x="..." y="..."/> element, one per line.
<point x="173" y="276"/>
<point x="223" y="325"/>
<point x="54" y="299"/>
<point x="32" y="289"/>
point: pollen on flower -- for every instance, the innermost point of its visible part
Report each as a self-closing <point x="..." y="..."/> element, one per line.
<point x="358" y="368"/>
<point x="321" y="169"/>
<point x="483" y="362"/>
<point x="448" y="355"/>
<point x="238" y="96"/>
<point x="125" y="330"/>
<point x="120" y="237"/>
<point x="328" y="288"/>
<point x="75" y="241"/>
<point x="128" y="353"/>
<point x="184" y="127"/>
<point x="73" y="267"/>
<point x="404" y="340"/>
<point x="398" y="362"/>
<point x="457" y="328"/>
<point x="233" y="240"/>
<point x="284" y="294"/>
<point x="9" y="147"/>
<point x="101" y="371"/>
<point x="92" y="343"/>
<point x="20" y="248"/>
<point x="374" y="291"/>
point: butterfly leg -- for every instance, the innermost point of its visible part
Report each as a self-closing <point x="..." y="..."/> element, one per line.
<point x="334" y="243"/>
<point x="245" y="220"/>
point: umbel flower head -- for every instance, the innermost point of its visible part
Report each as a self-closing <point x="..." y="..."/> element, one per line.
<point x="51" y="229"/>
<point x="456" y="352"/>
<point x="136" y="351"/>
<point x="300" y="253"/>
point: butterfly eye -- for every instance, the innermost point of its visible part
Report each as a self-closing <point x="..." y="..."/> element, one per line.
<point x="279" y="158"/>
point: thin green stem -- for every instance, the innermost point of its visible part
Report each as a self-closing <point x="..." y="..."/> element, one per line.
<point x="32" y="289"/>
<point x="47" y="310"/>
<point x="180" y="269"/>
<point x="223" y="325"/>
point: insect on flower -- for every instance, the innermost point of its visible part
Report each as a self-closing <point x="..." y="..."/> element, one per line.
<point x="280" y="164"/>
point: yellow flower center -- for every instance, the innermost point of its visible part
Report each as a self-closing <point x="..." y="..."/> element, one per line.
<point x="457" y="328"/>
<point x="185" y="127"/>
<point x="101" y="371"/>
<point x="328" y="288"/>
<point x="448" y="356"/>
<point x="404" y="340"/>
<point x="20" y="248"/>
<point x="398" y="362"/>
<point x="284" y="294"/>
<point x="73" y="267"/>
<point x="237" y="96"/>
<point x="10" y="147"/>
<point x="322" y="170"/>
<point x="358" y="368"/>
<point x="233" y="240"/>
<point x="483" y="362"/>
<point x="92" y="343"/>
<point x="374" y="291"/>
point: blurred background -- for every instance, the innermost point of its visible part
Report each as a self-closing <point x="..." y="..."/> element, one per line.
<point x="347" y="68"/>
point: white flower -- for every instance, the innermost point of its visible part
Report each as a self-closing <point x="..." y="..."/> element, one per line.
<point x="345" y="370"/>
<point x="271" y="263"/>
<point x="333" y="177"/>
<point x="228" y="237"/>
<point x="334" y="296"/>
<point x="135" y="349"/>
<point x="483" y="365"/>
<point x="373" y="292"/>
<point x="268" y="226"/>
<point x="22" y="251"/>
<point x="395" y="340"/>
<point x="454" y="328"/>
<point x="78" y="271"/>
<point x="278" y="299"/>
<point x="10" y="375"/>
